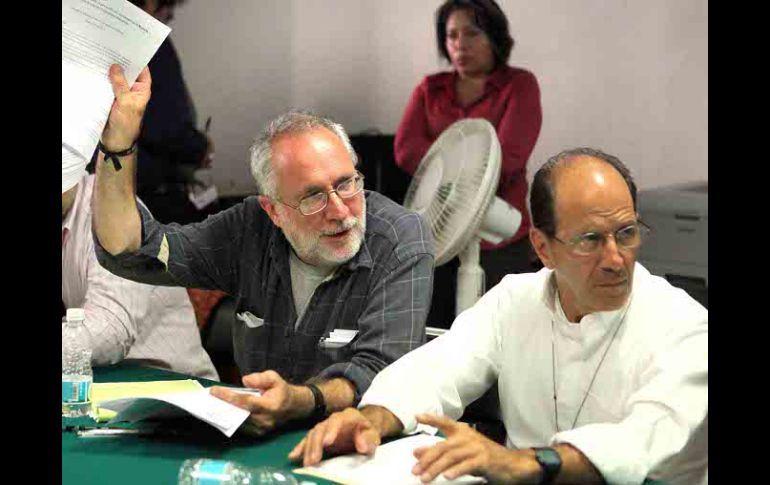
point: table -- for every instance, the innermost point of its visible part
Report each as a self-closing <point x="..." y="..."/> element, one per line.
<point x="148" y="461"/>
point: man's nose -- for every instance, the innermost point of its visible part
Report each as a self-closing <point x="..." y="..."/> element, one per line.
<point x="611" y="257"/>
<point x="336" y="208"/>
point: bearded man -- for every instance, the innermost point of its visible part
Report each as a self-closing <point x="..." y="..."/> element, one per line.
<point x="314" y="253"/>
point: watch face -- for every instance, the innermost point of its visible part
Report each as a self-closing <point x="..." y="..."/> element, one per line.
<point x="548" y="457"/>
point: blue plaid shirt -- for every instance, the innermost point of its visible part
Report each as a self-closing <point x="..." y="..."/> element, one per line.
<point x="383" y="292"/>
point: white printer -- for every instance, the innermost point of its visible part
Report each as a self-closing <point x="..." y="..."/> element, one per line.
<point x="678" y="246"/>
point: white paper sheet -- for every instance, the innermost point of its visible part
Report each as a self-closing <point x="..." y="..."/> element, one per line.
<point x="224" y="416"/>
<point x="95" y="34"/>
<point x="391" y="463"/>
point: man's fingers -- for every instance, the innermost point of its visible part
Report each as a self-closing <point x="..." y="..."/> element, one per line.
<point x="446" y="425"/>
<point x="427" y="457"/>
<point x="261" y="380"/>
<point x="314" y="450"/>
<point x="366" y="439"/>
<point x="332" y="431"/>
<point x="118" y="80"/>
<point x="243" y="401"/>
<point x="144" y="76"/>
<point x="223" y="393"/>
<point x="445" y="461"/>
<point x="465" y="467"/>
<point x="418" y="452"/>
<point x="296" y="453"/>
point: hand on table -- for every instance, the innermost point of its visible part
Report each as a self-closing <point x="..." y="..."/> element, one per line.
<point x="466" y="451"/>
<point x="343" y="432"/>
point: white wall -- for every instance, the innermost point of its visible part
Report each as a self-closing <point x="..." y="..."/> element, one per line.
<point x="630" y="77"/>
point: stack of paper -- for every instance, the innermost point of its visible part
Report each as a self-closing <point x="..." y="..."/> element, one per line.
<point x="136" y="401"/>
<point x="93" y="36"/>
<point x="391" y="463"/>
<point x="107" y="391"/>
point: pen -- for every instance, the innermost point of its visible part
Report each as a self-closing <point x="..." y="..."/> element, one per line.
<point x="245" y="390"/>
<point x="110" y="432"/>
<point x="207" y="125"/>
<point x="106" y="432"/>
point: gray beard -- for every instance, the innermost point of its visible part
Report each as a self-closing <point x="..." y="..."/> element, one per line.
<point x="312" y="252"/>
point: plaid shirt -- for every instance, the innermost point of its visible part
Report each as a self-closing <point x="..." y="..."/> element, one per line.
<point x="383" y="292"/>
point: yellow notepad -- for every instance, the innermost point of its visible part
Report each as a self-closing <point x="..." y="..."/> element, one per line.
<point x="117" y="390"/>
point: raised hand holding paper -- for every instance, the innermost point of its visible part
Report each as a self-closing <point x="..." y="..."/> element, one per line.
<point x="96" y="34"/>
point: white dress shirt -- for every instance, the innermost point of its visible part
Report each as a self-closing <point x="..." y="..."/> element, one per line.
<point x="646" y="413"/>
<point x="152" y="325"/>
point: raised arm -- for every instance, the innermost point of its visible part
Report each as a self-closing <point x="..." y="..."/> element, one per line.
<point x="117" y="223"/>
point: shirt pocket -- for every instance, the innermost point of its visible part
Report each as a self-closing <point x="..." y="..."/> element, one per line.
<point x="250" y="320"/>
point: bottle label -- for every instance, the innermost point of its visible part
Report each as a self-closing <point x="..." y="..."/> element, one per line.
<point x="75" y="391"/>
<point x="212" y="472"/>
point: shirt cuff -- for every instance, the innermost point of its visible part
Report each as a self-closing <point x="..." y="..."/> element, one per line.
<point x="400" y="408"/>
<point x="153" y="240"/>
<point x="607" y="447"/>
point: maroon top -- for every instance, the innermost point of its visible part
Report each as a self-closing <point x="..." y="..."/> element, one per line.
<point x="511" y="102"/>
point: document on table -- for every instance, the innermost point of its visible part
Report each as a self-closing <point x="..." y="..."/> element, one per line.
<point x="106" y="391"/>
<point x="391" y="463"/>
<point x="95" y="34"/>
<point x="224" y="416"/>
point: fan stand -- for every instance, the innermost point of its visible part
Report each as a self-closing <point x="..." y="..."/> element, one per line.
<point x="471" y="279"/>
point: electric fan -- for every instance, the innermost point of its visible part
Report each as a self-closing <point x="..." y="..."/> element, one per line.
<point x="454" y="189"/>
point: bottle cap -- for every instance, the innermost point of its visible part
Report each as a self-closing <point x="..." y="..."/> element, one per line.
<point x="75" y="314"/>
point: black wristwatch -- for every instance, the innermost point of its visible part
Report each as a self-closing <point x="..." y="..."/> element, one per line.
<point x="550" y="462"/>
<point x="319" y="409"/>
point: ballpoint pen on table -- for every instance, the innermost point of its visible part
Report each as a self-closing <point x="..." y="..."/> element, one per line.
<point x="107" y="432"/>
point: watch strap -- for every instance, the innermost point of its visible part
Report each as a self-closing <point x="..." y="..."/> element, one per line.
<point x="319" y="408"/>
<point x="550" y="462"/>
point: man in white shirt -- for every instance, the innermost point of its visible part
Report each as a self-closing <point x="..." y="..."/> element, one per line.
<point x="602" y="368"/>
<point x="151" y="325"/>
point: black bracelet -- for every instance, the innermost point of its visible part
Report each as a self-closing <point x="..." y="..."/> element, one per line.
<point x="113" y="156"/>
<point x="319" y="409"/>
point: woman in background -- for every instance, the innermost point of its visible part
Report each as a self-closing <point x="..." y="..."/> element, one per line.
<point x="473" y="36"/>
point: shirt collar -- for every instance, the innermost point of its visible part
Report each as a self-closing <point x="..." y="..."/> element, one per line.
<point x="495" y="81"/>
<point x="605" y="319"/>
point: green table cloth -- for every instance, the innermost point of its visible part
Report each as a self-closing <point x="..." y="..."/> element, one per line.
<point x="153" y="460"/>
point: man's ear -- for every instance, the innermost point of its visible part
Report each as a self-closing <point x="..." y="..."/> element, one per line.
<point x="542" y="247"/>
<point x="269" y="207"/>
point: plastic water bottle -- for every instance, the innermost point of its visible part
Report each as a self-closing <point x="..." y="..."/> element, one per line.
<point x="203" y="471"/>
<point x="76" y="372"/>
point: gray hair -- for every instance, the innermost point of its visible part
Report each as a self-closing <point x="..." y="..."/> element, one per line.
<point x="292" y="122"/>
<point x="542" y="192"/>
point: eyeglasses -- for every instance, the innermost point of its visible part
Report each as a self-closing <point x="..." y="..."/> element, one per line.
<point x="317" y="202"/>
<point x="628" y="237"/>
